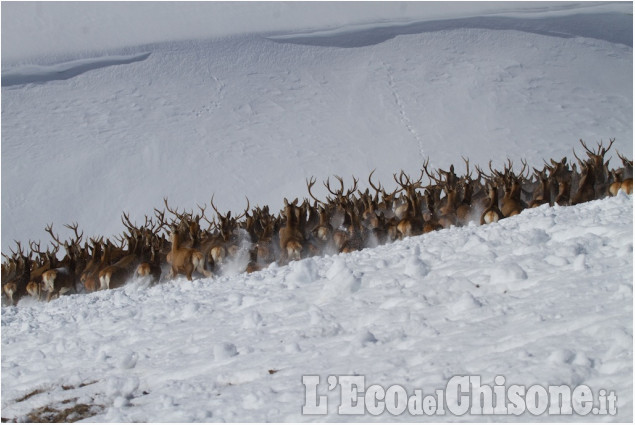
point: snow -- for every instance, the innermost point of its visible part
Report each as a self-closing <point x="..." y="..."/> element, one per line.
<point x="474" y="300"/>
<point x="93" y="126"/>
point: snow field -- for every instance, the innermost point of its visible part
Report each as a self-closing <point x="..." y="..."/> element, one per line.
<point x="544" y="297"/>
<point x="248" y="116"/>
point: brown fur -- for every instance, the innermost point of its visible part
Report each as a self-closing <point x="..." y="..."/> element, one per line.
<point x="185" y="260"/>
<point x="290" y="236"/>
<point x="117" y="274"/>
<point x="492" y="213"/>
<point x="58" y="282"/>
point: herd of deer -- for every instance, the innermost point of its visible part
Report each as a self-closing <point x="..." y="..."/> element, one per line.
<point x="348" y="220"/>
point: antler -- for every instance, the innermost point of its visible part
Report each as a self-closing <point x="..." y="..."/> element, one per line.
<point x="340" y="193"/>
<point x="376" y="189"/>
<point x="309" y="185"/>
<point x="49" y="230"/>
<point x="327" y="184"/>
<point x="604" y="151"/>
<point x="125" y="219"/>
<point x="244" y="213"/>
<point x="74" y="227"/>
<point x="214" y="206"/>
<point x="624" y="159"/>
<point x="468" y="172"/>
<point x="175" y="212"/>
<point x="576" y="156"/>
<point x="430" y="176"/>
<point x="601" y="150"/>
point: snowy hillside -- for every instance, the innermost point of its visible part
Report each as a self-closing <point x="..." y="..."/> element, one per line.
<point x="91" y="132"/>
<point x="542" y="298"/>
<point x="254" y="116"/>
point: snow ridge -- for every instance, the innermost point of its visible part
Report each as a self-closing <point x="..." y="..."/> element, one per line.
<point x="63" y="71"/>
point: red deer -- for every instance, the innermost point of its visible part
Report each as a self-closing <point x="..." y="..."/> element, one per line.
<point x="558" y="172"/>
<point x="412" y="222"/>
<point x="543" y="196"/>
<point x="323" y="231"/>
<point x="586" y="191"/>
<point x="184" y="260"/>
<point x="15" y="282"/>
<point x="620" y="180"/>
<point x="448" y="216"/>
<point x="564" y="192"/>
<point x="117" y="274"/>
<point x="100" y="258"/>
<point x="431" y="223"/>
<point x="291" y="237"/>
<point x="466" y="184"/>
<point x="599" y="169"/>
<point x="50" y="261"/>
<point x="151" y="261"/>
<point x="34" y="289"/>
<point x="61" y="280"/>
<point x="226" y="243"/>
<point x="492" y="213"/>
<point x="511" y="204"/>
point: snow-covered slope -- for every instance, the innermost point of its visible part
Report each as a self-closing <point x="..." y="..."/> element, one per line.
<point x="541" y="298"/>
<point x="250" y="116"/>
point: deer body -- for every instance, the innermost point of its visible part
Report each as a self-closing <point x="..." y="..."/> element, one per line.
<point x="290" y="236"/>
<point x="586" y="190"/>
<point x="34" y="289"/>
<point x="15" y="282"/>
<point x="543" y="195"/>
<point x="117" y="274"/>
<point x="511" y="204"/>
<point x="492" y="213"/>
<point x="620" y="184"/>
<point x="564" y="192"/>
<point x="58" y="282"/>
<point x="185" y="260"/>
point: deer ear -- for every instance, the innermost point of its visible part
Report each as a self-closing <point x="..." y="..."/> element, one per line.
<point x="286" y="202"/>
<point x="295" y="202"/>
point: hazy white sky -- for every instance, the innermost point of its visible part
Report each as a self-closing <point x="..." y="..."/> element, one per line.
<point x="32" y="29"/>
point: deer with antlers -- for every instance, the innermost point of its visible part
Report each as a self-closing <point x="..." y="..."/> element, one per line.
<point x="323" y="231"/>
<point x="467" y="185"/>
<point x="290" y="236"/>
<point x="586" y="186"/>
<point x="622" y="178"/>
<point x="542" y="196"/>
<point x="15" y="278"/>
<point x="492" y="213"/>
<point x="225" y="242"/>
<point x="99" y="258"/>
<point x="61" y="280"/>
<point x="184" y="260"/>
<point x="594" y="173"/>
<point x="412" y="222"/>
<point x="48" y="261"/>
<point x="511" y="204"/>
<point x="117" y="274"/>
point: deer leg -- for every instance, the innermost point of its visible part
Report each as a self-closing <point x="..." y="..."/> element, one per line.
<point x="189" y="268"/>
